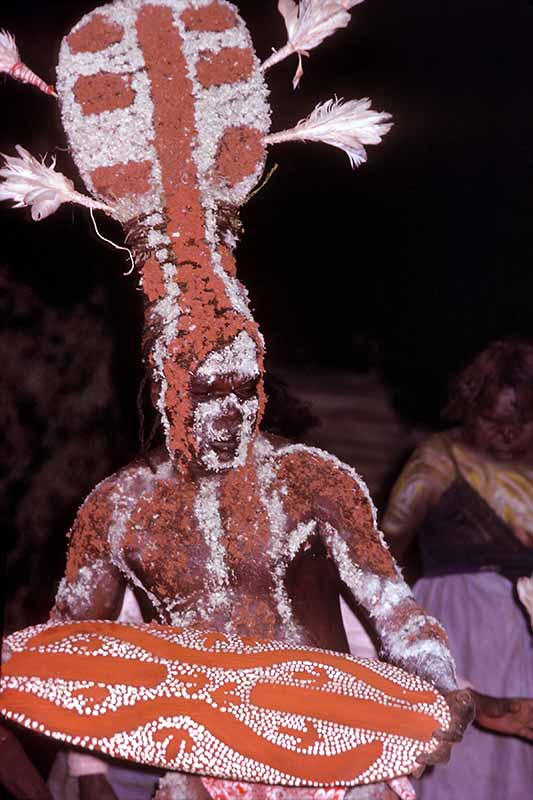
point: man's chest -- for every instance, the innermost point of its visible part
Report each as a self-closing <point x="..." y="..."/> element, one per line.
<point x="186" y="542"/>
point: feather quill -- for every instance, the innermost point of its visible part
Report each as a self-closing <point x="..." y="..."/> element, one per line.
<point x="28" y="182"/>
<point x="348" y="125"/>
<point x="11" y="63"/>
<point x="308" y="24"/>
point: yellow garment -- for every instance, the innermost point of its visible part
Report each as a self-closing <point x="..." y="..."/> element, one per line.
<point x="506" y="486"/>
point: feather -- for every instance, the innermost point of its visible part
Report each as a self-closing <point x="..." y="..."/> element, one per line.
<point x="524" y="588"/>
<point x="348" y="125"/>
<point x="11" y="63"/>
<point x="28" y="182"/>
<point x="308" y="24"/>
<point x="289" y="11"/>
<point x="9" y="54"/>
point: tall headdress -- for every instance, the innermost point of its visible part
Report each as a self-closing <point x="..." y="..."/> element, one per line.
<point x="165" y="107"/>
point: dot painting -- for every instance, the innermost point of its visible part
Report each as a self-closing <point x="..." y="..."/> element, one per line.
<point x="225" y="706"/>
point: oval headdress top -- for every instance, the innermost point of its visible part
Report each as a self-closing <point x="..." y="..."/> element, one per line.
<point x="165" y="106"/>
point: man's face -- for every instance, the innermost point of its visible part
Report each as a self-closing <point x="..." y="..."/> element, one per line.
<point x="225" y="403"/>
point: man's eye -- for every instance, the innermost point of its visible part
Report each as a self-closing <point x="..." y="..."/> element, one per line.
<point x="246" y="391"/>
<point x="201" y="394"/>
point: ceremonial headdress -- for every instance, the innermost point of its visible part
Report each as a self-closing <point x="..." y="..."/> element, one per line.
<point x="166" y="110"/>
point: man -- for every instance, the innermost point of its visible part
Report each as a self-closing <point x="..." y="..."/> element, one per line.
<point x="212" y="545"/>
<point x="165" y="107"/>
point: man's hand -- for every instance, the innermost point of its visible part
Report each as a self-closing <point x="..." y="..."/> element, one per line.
<point x="462" y="710"/>
<point x="512" y="716"/>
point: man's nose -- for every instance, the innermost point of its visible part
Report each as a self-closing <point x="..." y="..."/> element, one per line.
<point x="233" y="412"/>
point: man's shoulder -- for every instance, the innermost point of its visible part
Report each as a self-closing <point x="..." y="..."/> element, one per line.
<point x="301" y="458"/>
<point x="141" y="474"/>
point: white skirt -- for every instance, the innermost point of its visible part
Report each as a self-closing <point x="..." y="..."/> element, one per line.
<point x="492" y="644"/>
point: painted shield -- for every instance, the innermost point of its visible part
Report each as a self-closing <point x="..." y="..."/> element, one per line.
<point x="219" y="705"/>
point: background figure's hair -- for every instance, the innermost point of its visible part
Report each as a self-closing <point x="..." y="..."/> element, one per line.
<point x="502" y="363"/>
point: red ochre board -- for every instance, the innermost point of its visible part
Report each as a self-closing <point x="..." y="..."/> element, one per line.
<point x="225" y="706"/>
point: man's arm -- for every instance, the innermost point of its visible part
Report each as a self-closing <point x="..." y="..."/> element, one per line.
<point x="92" y="587"/>
<point x="409" y="637"/>
<point x="323" y="488"/>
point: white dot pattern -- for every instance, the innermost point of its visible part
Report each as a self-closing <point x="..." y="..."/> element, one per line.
<point x="220" y="705"/>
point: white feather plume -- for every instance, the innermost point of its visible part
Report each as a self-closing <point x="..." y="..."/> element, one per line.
<point x="10" y="62"/>
<point x="28" y="182"/>
<point x="9" y="54"/>
<point x="348" y="125"/>
<point x="308" y="24"/>
<point x="524" y="588"/>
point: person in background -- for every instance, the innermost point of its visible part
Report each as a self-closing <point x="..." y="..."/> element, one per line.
<point x="467" y="496"/>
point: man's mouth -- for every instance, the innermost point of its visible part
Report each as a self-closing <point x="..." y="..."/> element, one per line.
<point x="225" y="446"/>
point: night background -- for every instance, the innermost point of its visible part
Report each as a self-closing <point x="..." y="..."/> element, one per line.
<point x="403" y="268"/>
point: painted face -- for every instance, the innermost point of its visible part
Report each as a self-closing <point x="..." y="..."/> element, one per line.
<point x="504" y="425"/>
<point x="225" y="403"/>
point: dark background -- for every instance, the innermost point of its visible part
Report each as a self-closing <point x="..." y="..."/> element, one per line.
<point x="427" y="247"/>
<point x="415" y="260"/>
